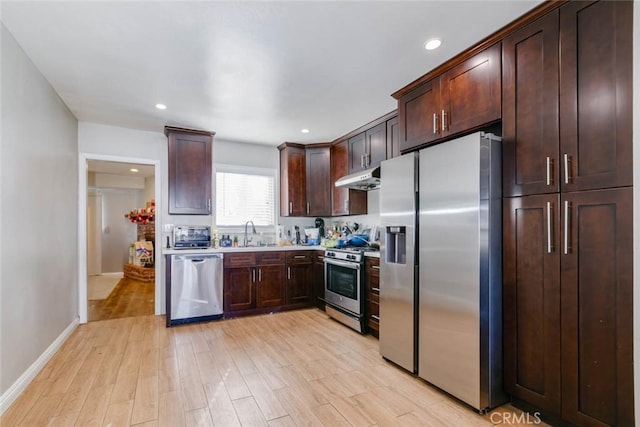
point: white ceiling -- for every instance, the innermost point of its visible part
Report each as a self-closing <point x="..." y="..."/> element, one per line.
<point x="250" y="71"/>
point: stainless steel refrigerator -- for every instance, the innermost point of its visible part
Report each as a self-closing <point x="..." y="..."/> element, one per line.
<point x="440" y="269"/>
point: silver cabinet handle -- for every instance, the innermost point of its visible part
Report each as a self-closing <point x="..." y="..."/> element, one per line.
<point x="444" y="121"/>
<point x="260" y="275"/>
<point x="346" y="205"/>
<point x="567" y="209"/>
<point x="290" y="207"/>
<point x="253" y="273"/>
<point x="375" y="317"/>
<point x="567" y="174"/>
<point x="435" y="123"/>
<point x="549" y="239"/>
<point x="362" y="160"/>
<point x="549" y="166"/>
<point x="375" y="267"/>
<point x="289" y="273"/>
<point x="307" y="208"/>
<point x="299" y="256"/>
<point x="375" y="289"/>
<point x="209" y="205"/>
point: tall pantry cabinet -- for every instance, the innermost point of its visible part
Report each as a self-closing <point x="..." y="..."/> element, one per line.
<point x="568" y="249"/>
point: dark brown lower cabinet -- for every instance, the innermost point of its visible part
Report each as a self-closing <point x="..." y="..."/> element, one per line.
<point x="318" y="280"/>
<point x="372" y="298"/>
<point x="239" y="289"/>
<point x="568" y="304"/>
<point x="597" y="308"/>
<point x="299" y="277"/>
<point x="531" y="294"/>
<point x="269" y="289"/>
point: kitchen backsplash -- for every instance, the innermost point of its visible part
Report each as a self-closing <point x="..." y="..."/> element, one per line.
<point x="363" y="221"/>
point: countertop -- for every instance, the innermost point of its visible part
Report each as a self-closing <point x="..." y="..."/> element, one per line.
<point x="173" y="251"/>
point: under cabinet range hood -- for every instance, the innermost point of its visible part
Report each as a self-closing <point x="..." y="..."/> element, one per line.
<point x="368" y="179"/>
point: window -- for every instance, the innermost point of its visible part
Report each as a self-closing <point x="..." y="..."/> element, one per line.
<point x="243" y="195"/>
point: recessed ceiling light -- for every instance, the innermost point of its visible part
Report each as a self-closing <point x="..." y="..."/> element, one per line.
<point x="134" y="170"/>
<point x="161" y="106"/>
<point x="305" y="131"/>
<point x="432" y="44"/>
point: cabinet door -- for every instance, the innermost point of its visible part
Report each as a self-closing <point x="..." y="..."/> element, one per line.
<point x="345" y="201"/>
<point x="299" y="283"/>
<point x="531" y="300"/>
<point x="189" y="173"/>
<point x="595" y="94"/>
<point x="393" y="138"/>
<point x="531" y="137"/>
<point x="376" y="145"/>
<point x="318" y="186"/>
<point x="372" y="303"/>
<point x="471" y="93"/>
<point x="318" y="281"/>
<point x="270" y="286"/>
<point x="597" y="308"/>
<point x="419" y="115"/>
<point x="239" y="289"/>
<point x="357" y="152"/>
<point x="293" y="190"/>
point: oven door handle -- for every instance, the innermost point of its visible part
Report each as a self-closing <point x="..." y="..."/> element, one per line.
<point x="346" y="264"/>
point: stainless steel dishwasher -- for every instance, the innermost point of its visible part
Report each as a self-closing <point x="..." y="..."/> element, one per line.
<point x="194" y="289"/>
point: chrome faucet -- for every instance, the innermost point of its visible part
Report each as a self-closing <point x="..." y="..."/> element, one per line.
<point x="253" y="227"/>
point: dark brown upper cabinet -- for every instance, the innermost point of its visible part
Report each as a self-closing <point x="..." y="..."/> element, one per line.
<point x="567" y="118"/>
<point x="345" y="201"/>
<point x="393" y="138"/>
<point x="368" y="148"/>
<point x="530" y="117"/>
<point x="596" y="94"/>
<point x="190" y="162"/>
<point x="462" y="98"/>
<point x="293" y="198"/>
<point x="318" y="179"/>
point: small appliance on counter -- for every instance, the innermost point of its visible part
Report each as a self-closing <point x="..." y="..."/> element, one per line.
<point x="191" y="236"/>
<point x="319" y="224"/>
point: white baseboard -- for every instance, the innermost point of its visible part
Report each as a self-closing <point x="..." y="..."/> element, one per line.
<point x="17" y="388"/>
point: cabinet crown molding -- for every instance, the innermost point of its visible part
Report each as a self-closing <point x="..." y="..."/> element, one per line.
<point x="173" y="129"/>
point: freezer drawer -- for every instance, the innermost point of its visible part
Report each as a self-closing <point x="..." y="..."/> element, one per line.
<point x="194" y="288"/>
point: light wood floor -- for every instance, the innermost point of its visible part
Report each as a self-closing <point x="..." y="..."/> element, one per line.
<point x="287" y="369"/>
<point x="129" y="298"/>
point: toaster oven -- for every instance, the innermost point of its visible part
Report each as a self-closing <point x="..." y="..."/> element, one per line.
<point x="191" y="236"/>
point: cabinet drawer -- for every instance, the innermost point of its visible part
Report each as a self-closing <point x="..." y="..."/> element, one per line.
<point x="244" y="259"/>
<point x="299" y="257"/>
<point x="271" y="258"/>
<point x="374" y="308"/>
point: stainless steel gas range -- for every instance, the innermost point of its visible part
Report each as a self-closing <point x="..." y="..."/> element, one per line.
<point x="344" y="286"/>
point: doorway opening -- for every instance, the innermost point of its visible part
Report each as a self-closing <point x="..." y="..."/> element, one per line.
<point x="119" y="232"/>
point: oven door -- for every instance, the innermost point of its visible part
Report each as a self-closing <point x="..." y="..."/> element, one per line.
<point x="342" y="284"/>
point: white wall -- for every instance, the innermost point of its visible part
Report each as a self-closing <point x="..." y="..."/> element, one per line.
<point x="38" y="217"/>
<point x="117" y="231"/>
<point x="99" y="139"/>
<point x="149" y="190"/>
